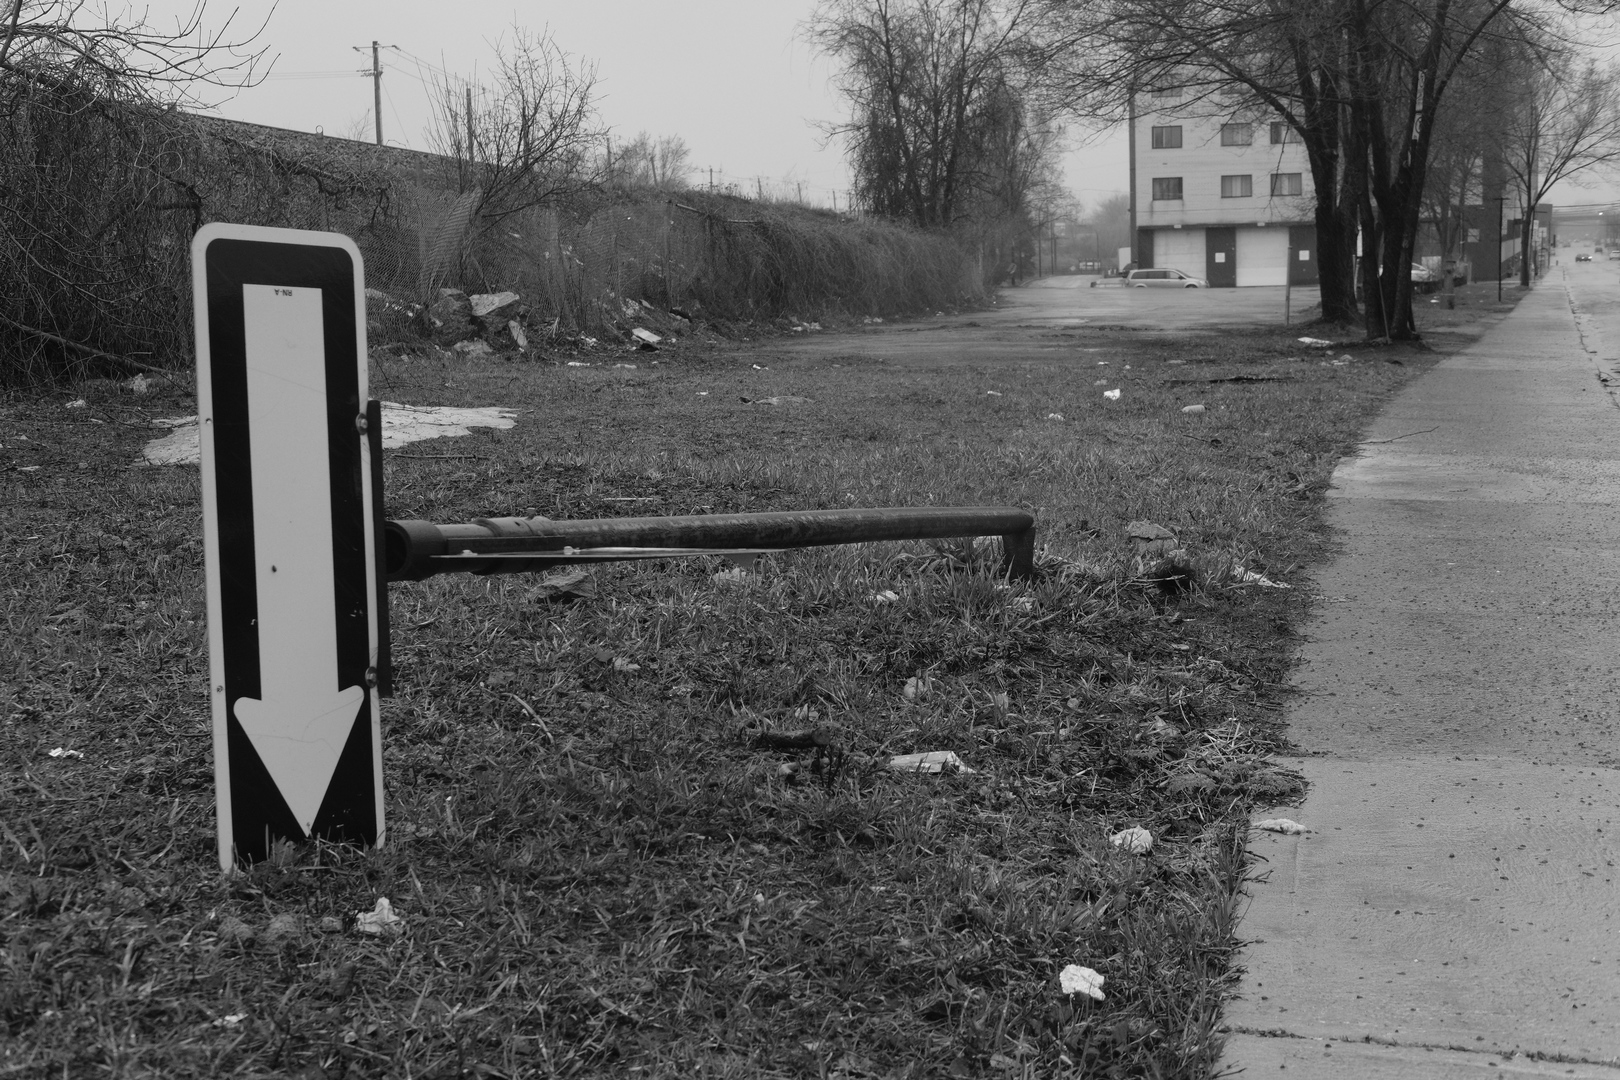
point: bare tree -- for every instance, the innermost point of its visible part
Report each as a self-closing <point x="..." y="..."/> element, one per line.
<point x="526" y="139"/>
<point x="124" y="58"/>
<point x="927" y="82"/>
<point x="1360" y="81"/>
<point x="646" y="161"/>
<point x="1563" y="120"/>
<point x="90" y="154"/>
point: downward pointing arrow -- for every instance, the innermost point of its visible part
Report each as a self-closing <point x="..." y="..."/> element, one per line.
<point x="302" y="719"/>
<point x="300" y="738"/>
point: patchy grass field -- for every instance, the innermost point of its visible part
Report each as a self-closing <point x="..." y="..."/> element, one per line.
<point x="600" y="869"/>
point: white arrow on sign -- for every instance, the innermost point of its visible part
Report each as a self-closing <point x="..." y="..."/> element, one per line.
<point x="301" y="722"/>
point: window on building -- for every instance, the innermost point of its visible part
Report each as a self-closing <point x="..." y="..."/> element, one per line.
<point x="1283" y="132"/>
<point x="1287" y="183"/>
<point x="1167" y="93"/>
<point x="1237" y="187"/>
<point x="1237" y="134"/>
<point x="1167" y="138"/>
<point x="1166" y="188"/>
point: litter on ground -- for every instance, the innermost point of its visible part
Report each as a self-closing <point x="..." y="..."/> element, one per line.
<point x="933" y="762"/>
<point x="380" y="921"/>
<point x="1111" y="395"/>
<point x="1281" y="825"/>
<point x="1252" y="577"/>
<point x="1075" y="979"/>
<point x="1136" y="840"/>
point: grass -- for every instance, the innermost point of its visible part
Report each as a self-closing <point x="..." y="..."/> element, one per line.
<point x="599" y="868"/>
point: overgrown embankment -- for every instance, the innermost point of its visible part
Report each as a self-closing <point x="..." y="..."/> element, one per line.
<point x="101" y="200"/>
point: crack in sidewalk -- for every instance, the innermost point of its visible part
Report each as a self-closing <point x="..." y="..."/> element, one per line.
<point x="1375" y="1040"/>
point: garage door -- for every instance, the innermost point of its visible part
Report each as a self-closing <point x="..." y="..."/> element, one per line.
<point x="1180" y="249"/>
<point x="1262" y="256"/>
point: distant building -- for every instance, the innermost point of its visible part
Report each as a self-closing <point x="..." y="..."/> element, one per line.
<point x="1222" y="196"/>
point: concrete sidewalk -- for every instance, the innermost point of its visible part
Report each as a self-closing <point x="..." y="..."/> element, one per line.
<point x="1455" y="910"/>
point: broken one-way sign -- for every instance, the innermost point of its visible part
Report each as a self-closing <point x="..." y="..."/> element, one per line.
<point x="289" y="538"/>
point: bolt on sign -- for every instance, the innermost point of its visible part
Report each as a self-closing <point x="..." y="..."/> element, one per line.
<point x="289" y="536"/>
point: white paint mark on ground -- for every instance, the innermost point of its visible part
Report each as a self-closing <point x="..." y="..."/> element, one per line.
<point x="401" y="424"/>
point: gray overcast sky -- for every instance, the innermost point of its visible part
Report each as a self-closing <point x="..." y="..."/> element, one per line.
<point x="731" y="77"/>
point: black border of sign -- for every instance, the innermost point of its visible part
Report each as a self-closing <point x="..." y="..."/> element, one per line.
<point x="259" y="816"/>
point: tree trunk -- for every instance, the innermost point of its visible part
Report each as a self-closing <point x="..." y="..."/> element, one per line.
<point x="1525" y="246"/>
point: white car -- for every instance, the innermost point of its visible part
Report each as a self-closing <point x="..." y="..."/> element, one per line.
<point x="1164" y="279"/>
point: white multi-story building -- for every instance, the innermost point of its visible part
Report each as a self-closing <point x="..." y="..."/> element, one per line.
<point x="1221" y="197"/>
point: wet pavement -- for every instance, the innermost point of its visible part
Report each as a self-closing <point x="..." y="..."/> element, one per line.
<point x="1454" y="910"/>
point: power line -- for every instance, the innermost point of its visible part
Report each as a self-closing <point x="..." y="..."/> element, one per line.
<point x="316" y="74"/>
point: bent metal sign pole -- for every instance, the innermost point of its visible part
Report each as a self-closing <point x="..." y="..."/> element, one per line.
<point x="290" y="539"/>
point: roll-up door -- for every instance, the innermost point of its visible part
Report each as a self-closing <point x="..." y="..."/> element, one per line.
<point x="1179" y="249"/>
<point x="1262" y="255"/>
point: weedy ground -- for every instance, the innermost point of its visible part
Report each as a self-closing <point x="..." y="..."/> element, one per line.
<point x="598" y="868"/>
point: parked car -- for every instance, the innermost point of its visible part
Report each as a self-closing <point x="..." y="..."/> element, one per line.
<point x="1424" y="280"/>
<point x="1583" y="257"/>
<point x="1164" y="278"/>
<point x="1614" y="253"/>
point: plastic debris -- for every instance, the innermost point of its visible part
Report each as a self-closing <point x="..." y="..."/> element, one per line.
<point x="1316" y="343"/>
<point x="515" y="328"/>
<point x="380" y="921"/>
<point x="473" y="347"/>
<point x="139" y="385"/>
<point x="1281" y="825"/>
<point x="1075" y="979"/>
<point x="916" y="687"/>
<point x="885" y="596"/>
<point x="577" y="363"/>
<point x="1112" y="395"/>
<point x="628" y="667"/>
<point x="1136" y="840"/>
<point x="77" y="403"/>
<point x="1194" y="409"/>
<point x="632" y="367"/>
<point x="1054" y="416"/>
<point x="646" y="336"/>
<point x="992" y="393"/>
<point x="1252" y="577"/>
<point x="932" y="762"/>
<point x="229" y="1021"/>
<point x="782" y="399"/>
<point x="734" y="576"/>
<point x="60" y="752"/>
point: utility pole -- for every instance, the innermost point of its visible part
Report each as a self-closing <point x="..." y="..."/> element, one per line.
<point x="376" y="83"/>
